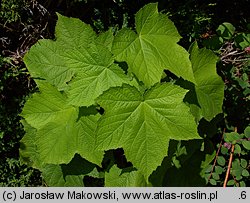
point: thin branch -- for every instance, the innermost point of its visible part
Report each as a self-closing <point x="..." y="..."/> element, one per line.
<point x="229" y="166"/>
<point x="229" y="163"/>
<point x="235" y="60"/>
<point x="233" y="53"/>
<point x="7" y="28"/>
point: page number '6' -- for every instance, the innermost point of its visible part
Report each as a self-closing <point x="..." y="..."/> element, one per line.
<point x="243" y="195"/>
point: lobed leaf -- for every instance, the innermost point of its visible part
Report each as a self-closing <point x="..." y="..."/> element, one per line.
<point x="152" y="48"/>
<point x="78" y="54"/>
<point x="59" y="136"/>
<point x="143" y="124"/>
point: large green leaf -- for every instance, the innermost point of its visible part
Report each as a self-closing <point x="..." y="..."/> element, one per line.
<point x="209" y="85"/>
<point x="143" y="123"/>
<point x="59" y="136"/>
<point x="152" y="48"/>
<point x="46" y="106"/>
<point x="46" y="59"/>
<point x="115" y="178"/>
<point x="76" y="53"/>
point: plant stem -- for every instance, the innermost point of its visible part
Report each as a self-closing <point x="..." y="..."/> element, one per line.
<point x="229" y="163"/>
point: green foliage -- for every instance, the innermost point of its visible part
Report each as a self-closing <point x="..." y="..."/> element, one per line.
<point x="193" y="18"/>
<point x="144" y="121"/>
<point x="156" y="34"/>
<point x="89" y="103"/>
<point x="118" y="178"/>
<point x="67" y="175"/>
<point x="15" y="86"/>
<point x="232" y="46"/>
<point x="239" y="171"/>
<point x="24" y="22"/>
<point x="226" y="30"/>
<point x="16" y="174"/>
<point x="59" y="133"/>
<point x="10" y="10"/>
<point x="13" y="171"/>
<point x="210" y="87"/>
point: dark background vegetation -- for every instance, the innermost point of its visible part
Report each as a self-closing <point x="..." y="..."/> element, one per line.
<point x="23" y="22"/>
